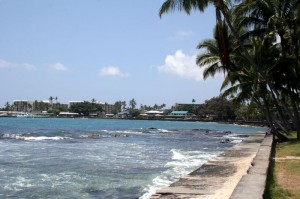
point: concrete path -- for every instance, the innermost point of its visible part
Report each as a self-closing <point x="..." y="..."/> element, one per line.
<point x="230" y="175"/>
<point x="253" y="184"/>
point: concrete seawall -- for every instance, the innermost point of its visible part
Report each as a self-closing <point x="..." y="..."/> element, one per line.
<point x="239" y="172"/>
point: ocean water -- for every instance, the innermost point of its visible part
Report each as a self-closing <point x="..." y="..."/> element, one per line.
<point x="99" y="158"/>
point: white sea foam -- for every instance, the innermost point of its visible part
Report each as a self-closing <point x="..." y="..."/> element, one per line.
<point x="177" y="155"/>
<point x="164" y="131"/>
<point x="31" y="138"/>
<point x="234" y="138"/>
<point x="182" y="163"/>
<point x="19" y="184"/>
<point x="125" y="132"/>
<point x="39" y="138"/>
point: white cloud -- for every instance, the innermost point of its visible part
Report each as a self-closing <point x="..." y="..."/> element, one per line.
<point x="6" y="64"/>
<point x="58" y="67"/>
<point x="112" y="71"/>
<point x="29" y="66"/>
<point x="26" y="66"/>
<point x="182" y="65"/>
<point x="184" y="33"/>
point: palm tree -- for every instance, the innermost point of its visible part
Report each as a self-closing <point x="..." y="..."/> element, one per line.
<point x="51" y="100"/>
<point x="132" y="103"/>
<point x="7" y="106"/>
<point x="268" y="19"/>
<point x="123" y="103"/>
<point x="282" y="16"/>
<point x="217" y="57"/>
<point x="222" y="10"/>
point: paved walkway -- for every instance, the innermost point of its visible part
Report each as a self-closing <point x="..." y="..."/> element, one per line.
<point x="237" y="173"/>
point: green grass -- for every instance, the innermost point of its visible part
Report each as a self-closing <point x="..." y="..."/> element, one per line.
<point x="288" y="168"/>
<point x="273" y="190"/>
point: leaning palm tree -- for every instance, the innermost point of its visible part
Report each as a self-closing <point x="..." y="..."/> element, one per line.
<point x="216" y="58"/>
<point x="276" y="20"/>
<point x="271" y="19"/>
<point x="223" y="11"/>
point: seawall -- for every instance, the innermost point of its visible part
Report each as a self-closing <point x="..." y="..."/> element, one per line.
<point x="239" y="172"/>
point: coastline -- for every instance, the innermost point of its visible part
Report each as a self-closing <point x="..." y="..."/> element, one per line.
<point x="218" y="178"/>
<point x="238" y="122"/>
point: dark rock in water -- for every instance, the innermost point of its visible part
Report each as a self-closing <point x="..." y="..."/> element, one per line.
<point x="152" y="128"/>
<point x="225" y="141"/>
<point x="205" y="130"/>
<point x="94" y="136"/>
<point x="242" y="136"/>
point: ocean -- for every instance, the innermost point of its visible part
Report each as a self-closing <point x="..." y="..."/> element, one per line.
<point x="105" y="158"/>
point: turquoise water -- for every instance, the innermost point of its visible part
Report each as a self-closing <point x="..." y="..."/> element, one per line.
<point x="94" y="158"/>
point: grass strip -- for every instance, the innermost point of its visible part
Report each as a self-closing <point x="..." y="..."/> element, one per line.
<point x="284" y="173"/>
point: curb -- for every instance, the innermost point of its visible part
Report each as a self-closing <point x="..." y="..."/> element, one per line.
<point x="252" y="185"/>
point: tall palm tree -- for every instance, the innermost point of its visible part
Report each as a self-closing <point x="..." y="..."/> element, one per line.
<point x="267" y="18"/>
<point x="51" y="99"/>
<point x="223" y="10"/>
<point x="217" y="57"/>
<point x="271" y="19"/>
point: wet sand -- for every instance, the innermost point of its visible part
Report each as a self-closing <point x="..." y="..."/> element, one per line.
<point x="217" y="178"/>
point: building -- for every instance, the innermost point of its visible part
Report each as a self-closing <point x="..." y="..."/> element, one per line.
<point x="60" y="106"/>
<point x="41" y="105"/>
<point x="74" y="102"/>
<point x="23" y="105"/>
<point x="108" y="108"/>
<point x="180" y="115"/>
<point x="178" y="106"/>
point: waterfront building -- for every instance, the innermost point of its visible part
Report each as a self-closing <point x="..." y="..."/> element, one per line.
<point x="23" y="105"/>
<point x="180" y="114"/>
<point x="74" y="102"/>
<point x="109" y="108"/>
<point x="41" y="105"/>
<point x="178" y="106"/>
<point x="60" y="106"/>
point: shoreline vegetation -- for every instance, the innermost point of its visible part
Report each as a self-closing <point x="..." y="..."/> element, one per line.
<point x="249" y="123"/>
<point x="257" y="70"/>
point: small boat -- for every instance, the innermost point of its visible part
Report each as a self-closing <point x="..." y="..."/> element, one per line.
<point x="25" y="115"/>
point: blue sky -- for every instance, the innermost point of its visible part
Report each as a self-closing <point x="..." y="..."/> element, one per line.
<point x="102" y="49"/>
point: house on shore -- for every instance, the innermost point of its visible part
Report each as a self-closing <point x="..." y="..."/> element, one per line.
<point x="180" y="114"/>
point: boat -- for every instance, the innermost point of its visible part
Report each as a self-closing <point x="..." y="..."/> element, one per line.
<point x="25" y="115"/>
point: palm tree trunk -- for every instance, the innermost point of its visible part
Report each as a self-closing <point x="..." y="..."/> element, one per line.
<point x="270" y="120"/>
<point x="296" y="118"/>
<point x="280" y="111"/>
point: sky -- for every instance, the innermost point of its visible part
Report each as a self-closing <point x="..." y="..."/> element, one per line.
<point x="103" y="50"/>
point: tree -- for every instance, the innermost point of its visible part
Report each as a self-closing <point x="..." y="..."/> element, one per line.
<point x="86" y="108"/>
<point x="134" y="112"/>
<point x="7" y="107"/>
<point x="249" y="22"/>
<point x="117" y="107"/>
<point x="132" y="103"/>
<point x="51" y="100"/>
<point x="124" y="105"/>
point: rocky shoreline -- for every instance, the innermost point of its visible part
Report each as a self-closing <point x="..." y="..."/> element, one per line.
<point x="218" y="178"/>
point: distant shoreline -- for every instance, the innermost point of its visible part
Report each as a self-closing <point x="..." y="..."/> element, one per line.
<point x="250" y="123"/>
